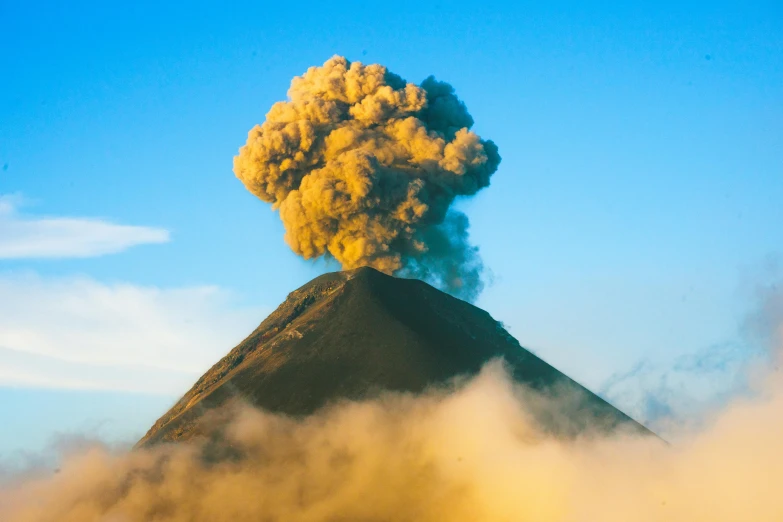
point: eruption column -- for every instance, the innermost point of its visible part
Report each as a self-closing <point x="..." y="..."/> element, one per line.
<point x="364" y="167"/>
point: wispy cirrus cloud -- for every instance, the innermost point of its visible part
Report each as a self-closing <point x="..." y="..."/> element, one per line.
<point x="692" y="386"/>
<point x="29" y="237"/>
<point x="660" y="394"/>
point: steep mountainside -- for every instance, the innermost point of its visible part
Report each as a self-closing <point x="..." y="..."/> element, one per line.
<point x="353" y="334"/>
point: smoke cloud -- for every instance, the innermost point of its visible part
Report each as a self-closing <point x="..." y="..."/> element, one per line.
<point x="470" y="454"/>
<point x="470" y="451"/>
<point x="364" y="168"/>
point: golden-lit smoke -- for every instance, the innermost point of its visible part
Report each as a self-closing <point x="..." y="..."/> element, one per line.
<point x="470" y="452"/>
<point x="364" y="168"/>
<point x="472" y="455"/>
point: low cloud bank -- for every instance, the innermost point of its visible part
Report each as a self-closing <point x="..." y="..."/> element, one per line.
<point x="468" y="454"/>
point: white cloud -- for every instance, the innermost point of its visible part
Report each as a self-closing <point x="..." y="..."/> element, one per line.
<point x="23" y="237"/>
<point x="81" y="333"/>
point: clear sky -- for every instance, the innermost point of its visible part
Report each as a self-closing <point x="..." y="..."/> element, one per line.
<point x="637" y="205"/>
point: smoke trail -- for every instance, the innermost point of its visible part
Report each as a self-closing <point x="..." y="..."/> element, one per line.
<point x="364" y="168"/>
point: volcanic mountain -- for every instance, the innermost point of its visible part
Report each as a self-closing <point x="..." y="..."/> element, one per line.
<point x="354" y="334"/>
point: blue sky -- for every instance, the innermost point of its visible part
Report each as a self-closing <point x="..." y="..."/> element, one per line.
<point x="636" y="207"/>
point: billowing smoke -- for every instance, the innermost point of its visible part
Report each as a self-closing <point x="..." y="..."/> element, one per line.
<point x="471" y="452"/>
<point x="472" y="455"/>
<point x="365" y="167"/>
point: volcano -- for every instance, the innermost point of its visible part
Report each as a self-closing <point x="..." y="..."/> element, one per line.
<point x="352" y="335"/>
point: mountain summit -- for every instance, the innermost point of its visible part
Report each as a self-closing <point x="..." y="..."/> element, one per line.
<point x="352" y="334"/>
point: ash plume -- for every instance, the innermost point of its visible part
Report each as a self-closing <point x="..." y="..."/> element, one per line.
<point x="364" y="168"/>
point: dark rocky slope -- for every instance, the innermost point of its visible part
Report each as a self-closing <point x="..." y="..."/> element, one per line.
<point x="351" y="335"/>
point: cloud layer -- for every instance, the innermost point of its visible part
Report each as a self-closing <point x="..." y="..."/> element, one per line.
<point x="473" y="454"/>
<point x="468" y="452"/>
<point x="26" y="237"/>
<point x="81" y="333"/>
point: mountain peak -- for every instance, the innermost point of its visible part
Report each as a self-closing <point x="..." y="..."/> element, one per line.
<point x="353" y="334"/>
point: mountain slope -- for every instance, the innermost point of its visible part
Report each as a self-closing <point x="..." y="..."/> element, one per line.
<point x="353" y="334"/>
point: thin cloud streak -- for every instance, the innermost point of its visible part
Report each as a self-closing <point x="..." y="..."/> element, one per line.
<point x="31" y="237"/>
